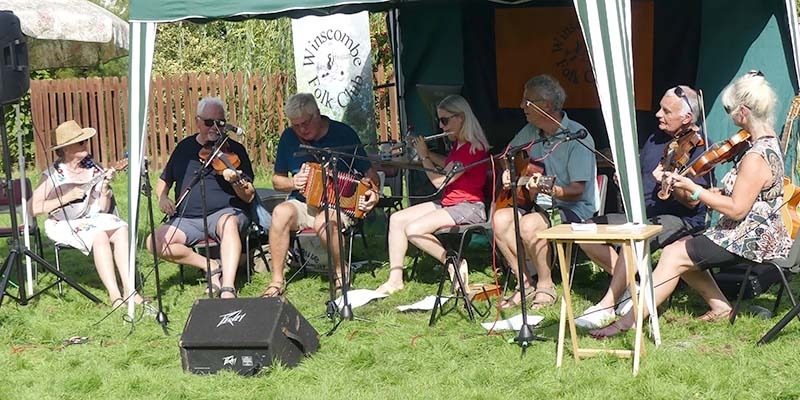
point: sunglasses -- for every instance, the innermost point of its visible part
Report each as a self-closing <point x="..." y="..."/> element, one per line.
<point x="446" y="120"/>
<point x="212" y="122"/>
<point x="680" y="93"/>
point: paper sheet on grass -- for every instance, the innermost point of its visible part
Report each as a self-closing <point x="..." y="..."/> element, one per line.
<point x="512" y="324"/>
<point x="425" y="304"/>
<point x="359" y="297"/>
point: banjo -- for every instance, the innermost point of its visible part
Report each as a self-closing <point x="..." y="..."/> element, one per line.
<point x="80" y="208"/>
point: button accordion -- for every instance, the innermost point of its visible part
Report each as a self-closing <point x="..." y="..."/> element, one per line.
<point x="351" y="188"/>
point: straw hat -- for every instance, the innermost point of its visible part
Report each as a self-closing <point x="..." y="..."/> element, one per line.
<point x="70" y="132"/>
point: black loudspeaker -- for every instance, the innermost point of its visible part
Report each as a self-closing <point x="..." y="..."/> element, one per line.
<point x="14" y="73"/>
<point x="245" y="335"/>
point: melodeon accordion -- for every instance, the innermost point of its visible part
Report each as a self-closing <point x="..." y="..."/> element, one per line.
<point x="351" y="188"/>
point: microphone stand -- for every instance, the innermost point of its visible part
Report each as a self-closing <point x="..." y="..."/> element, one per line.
<point x="328" y="159"/>
<point x="525" y="335"/>
<point x="161" y="317"/>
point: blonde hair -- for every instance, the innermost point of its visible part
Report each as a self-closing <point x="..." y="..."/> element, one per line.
<point x="471" y="129"/>
<point x="755" y="93"/>
<point x="301" y="104"/>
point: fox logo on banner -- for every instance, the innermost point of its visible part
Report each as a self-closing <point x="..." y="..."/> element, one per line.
<point x="333" y="61"/>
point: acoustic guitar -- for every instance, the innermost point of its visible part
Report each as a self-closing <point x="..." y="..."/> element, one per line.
<point x="530" y="171"/>
<point x="791" y="198"/>
<point x="81" y="207"/>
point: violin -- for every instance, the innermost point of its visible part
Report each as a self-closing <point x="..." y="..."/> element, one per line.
<point x="719" y="153"/>
<point x="224" y="159"/>
<point x="677" y="155"/>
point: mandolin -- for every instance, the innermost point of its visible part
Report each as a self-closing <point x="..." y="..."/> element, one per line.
<point x="81" y="207"/>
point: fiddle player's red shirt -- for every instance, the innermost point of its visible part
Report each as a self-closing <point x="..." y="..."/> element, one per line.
<point x="468" y="186"/>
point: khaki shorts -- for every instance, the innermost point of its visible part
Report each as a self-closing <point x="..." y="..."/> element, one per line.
<point x="306" y="215"/>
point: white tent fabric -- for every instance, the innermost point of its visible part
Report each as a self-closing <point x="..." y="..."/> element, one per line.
<point x="142" y="39"/>
<point x="791" y="12"/>
<point x="607" y="31"/>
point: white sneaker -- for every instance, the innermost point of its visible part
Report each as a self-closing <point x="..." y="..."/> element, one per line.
<point x="626" y="304"/>
<point x="595" y="317"/>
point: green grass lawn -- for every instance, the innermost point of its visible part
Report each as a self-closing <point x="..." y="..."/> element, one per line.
<point x="394" y="355"/>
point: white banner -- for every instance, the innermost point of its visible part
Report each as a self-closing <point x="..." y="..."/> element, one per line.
<point x="333" y="61"/>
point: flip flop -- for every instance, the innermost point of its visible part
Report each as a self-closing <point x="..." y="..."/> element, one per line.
<point x="712" y="316"/>
<point x="227" y="289"/>
<point x="509" y="302"/>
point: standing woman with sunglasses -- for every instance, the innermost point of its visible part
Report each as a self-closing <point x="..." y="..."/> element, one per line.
<point x="750" y="228"/>
<point x="462" y="198"/>
<point x="227" y="198"/>
<point x="93" y="226"/>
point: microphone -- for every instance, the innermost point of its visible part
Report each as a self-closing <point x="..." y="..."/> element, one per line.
<point x="228" y="127"/>
<point x="233" y="128"/>
<point x="580" y="134"/>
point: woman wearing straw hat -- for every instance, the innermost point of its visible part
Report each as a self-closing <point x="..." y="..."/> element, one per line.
<point x="76" y="195"/>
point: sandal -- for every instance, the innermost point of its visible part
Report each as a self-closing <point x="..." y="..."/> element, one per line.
<point x="612" y="329"/>
<point x="116" y="303"/>
<point x="227" y="289"/>
<point x="275" y="289"/>
<point x="538" y="304"/>
<point x="214" y="287"/>
<point x="712" y="316"/>
<point x="515" y="299"/>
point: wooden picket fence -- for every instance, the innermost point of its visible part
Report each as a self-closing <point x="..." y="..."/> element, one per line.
<point x="254" y="102"/>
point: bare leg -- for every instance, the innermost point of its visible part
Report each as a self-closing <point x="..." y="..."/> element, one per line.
<point x="170" y="244"/>
<point x="398" y="243"/>
<point x="104" y="263"/>
<point x="673" y="264"/>
<point x="320" y="229"/>
<point x="539" y="251"/>
<point x="603" y="255"/>
<point x="230" y="250"/>
<point x="119" y="241"/>
<point x="506" y="239"/>
<point x="284" y="222"/>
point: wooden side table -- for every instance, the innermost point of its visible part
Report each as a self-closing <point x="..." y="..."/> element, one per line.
<point x="627" y="237"/>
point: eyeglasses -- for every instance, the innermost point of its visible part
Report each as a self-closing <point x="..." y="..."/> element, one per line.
<point x="303" y="125"/>
<point x="445" y="120"/>
<point x="529" y="103"/>
<point x="680" y="93"/>
<point x="212" y="122"/>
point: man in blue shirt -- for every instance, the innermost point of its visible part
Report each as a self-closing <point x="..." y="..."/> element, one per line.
<point x="310" y="128"/>
<point x="574" y="168"/>
<point x="679" y="215"/>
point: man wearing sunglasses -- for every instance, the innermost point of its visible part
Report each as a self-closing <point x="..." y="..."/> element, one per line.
<point x="309" y="127"/>
<point x="679" y="215"/>
<point x="227" y="196"/>
<point x="573" y="166"/>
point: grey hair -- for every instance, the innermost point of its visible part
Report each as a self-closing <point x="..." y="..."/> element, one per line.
<point x="471" y="129"/>
<point x="548" y="88"/>
<point x="301" y="104"/>
<point x="211" y="101"/>
<point x="693" y="105"/>
<point x="755" y="93"/>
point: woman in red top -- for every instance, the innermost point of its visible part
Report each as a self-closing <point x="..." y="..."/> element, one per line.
<point x="462" y="198"/>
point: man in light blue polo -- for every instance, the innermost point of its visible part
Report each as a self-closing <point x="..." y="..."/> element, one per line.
<point x="573" y="166"/>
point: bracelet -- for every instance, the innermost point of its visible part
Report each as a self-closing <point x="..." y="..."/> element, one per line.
<point x="696" y="195"/>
